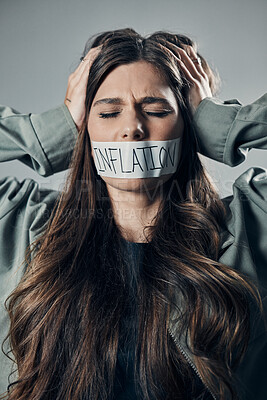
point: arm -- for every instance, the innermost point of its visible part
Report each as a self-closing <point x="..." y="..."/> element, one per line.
<point x="228" y="130"/>
<point x="44" y="141"/>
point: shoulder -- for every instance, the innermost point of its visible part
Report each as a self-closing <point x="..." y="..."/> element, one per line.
<point x="24" y="209"/>
<point x="25" y="196"/>
<point x="244" y="242"/>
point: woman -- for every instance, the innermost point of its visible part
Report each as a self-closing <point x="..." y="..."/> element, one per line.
<point x="126" y="294"/>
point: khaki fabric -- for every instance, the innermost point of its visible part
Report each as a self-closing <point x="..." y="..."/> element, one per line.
<point x="226" y="132"/>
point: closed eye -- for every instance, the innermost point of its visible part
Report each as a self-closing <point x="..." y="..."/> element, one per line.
<point x="158" y="114"/>
<point x="108" y="115"/>
<point x="153" y="114"/>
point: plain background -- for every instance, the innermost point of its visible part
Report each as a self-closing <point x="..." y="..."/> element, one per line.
<point x="41" y="43"/>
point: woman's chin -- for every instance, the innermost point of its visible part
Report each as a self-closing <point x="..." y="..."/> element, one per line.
<point x="140" y="185"/>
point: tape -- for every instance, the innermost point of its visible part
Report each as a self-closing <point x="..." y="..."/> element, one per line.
<point x="138" y="159"/>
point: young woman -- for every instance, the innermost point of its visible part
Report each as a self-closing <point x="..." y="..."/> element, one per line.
<point x="140" y="283"/>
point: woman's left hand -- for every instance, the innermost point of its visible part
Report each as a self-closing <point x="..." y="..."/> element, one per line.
<point x="190" y="64"/>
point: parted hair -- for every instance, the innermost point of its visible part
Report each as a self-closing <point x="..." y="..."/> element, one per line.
<point x="66" y="312"/>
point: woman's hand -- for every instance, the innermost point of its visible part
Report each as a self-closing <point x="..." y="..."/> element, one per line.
<point x="197" y="78"/>
<point x="76" y="90"/>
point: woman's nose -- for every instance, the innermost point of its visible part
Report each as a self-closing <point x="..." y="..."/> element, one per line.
<point x="133" y="128"/>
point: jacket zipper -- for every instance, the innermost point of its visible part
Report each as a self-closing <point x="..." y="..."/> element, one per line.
<point x="192" y="365"/>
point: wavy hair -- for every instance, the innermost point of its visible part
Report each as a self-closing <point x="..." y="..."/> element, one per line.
<point x="66" y="311"/>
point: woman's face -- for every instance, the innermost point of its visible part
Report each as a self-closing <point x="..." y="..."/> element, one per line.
<point x="134" y="103"/>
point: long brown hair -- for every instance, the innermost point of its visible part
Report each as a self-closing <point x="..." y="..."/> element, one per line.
<point x="66" y="311"/>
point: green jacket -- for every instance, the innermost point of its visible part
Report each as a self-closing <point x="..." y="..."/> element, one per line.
<point x="226" y="132"/>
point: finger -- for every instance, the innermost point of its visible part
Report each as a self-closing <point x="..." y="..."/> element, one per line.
<point x="192" y="63"/>
<point x="93" y="50"/>
<point x="91" y="55"/>
<point x="188" y="62"/>
<point x="89" y="58"/>
<point x="81" y="77"/>
<point x="192" y="54"/>
<point x="189" y="77"/>
<point x="86" y="63"/>
<point x="174" y="52"/>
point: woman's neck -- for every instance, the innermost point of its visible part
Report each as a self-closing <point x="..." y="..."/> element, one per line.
<point x="133" y="211"/>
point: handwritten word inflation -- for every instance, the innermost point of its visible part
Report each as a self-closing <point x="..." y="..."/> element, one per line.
<point x="139" y="159"/>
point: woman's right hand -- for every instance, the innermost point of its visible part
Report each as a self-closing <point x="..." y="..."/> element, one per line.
<point x="76" y="90"/>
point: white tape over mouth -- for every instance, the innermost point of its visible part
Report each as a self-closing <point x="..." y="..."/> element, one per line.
<point x="138" y="159"/>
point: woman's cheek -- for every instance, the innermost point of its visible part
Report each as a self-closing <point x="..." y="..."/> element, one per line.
<point x="98" y="132"/>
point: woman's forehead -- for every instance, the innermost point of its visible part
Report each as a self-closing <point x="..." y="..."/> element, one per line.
<point x="139" y="79"/>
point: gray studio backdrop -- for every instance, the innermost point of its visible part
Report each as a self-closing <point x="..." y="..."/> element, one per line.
<point x="41" y="42"/>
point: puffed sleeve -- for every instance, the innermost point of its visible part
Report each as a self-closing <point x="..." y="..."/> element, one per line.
<point x="44" y="141"/>
<point x="227" y="130"/>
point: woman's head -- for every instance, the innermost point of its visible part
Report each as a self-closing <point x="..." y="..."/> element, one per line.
<point x="125" y="46"/>
<point x="134" y="103"/>
<point x="132" y="71"/>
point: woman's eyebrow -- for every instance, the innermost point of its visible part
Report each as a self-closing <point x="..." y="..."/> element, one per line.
<point x="155" y="99"/>
<point x="109" y="100"/>
<point x="143" y="100"/>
